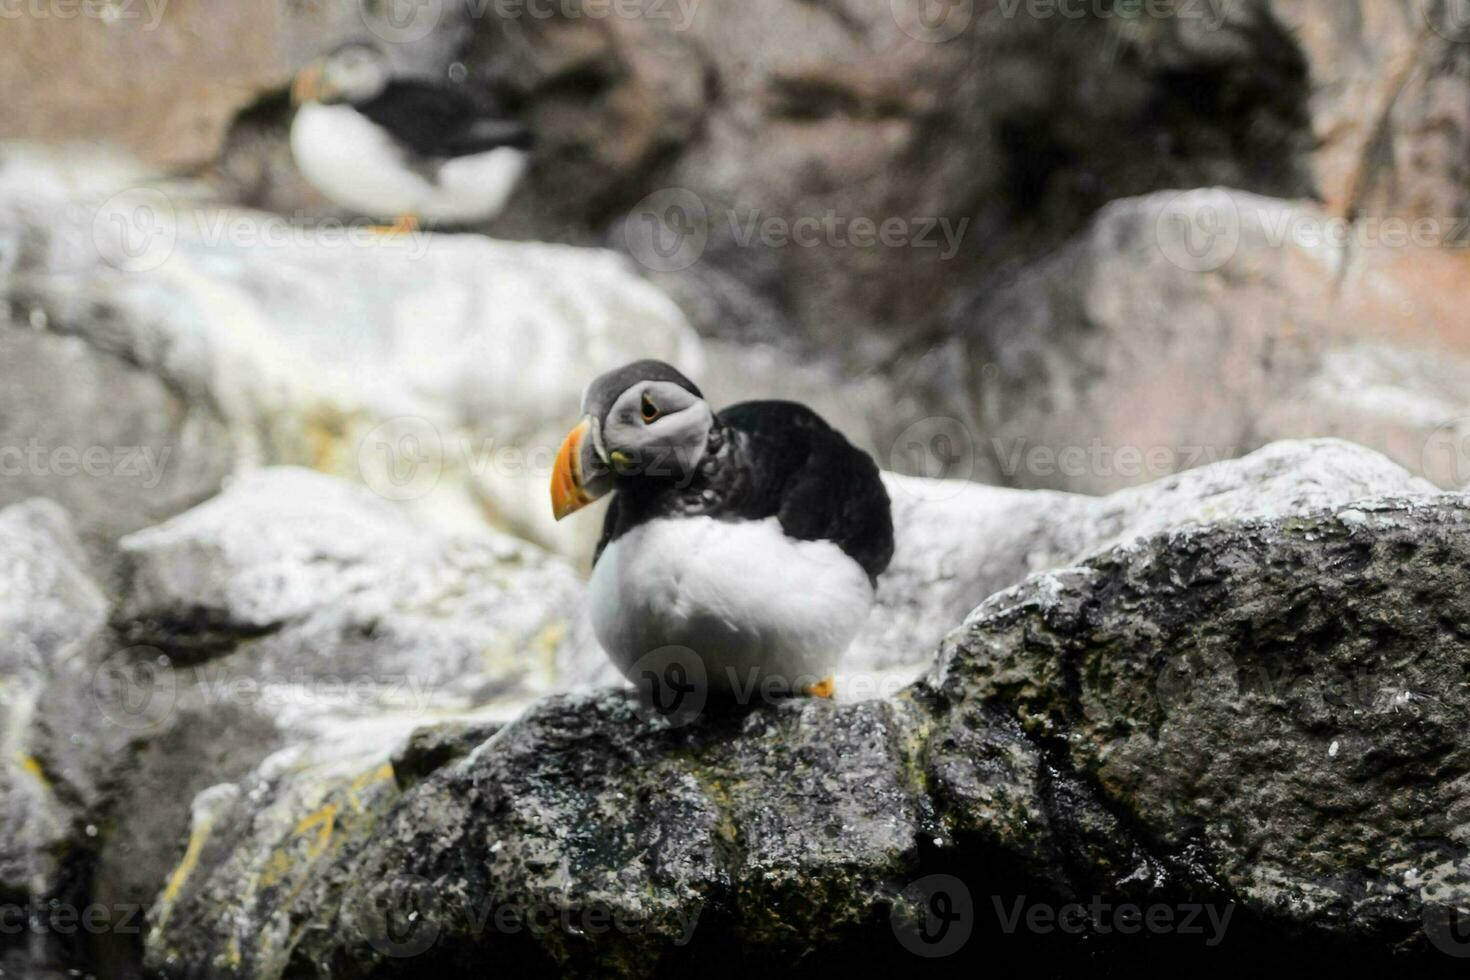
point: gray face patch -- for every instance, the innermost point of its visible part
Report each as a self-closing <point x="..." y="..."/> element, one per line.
<point x="656" y="429"/>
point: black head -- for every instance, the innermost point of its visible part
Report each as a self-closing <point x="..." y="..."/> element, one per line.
<point x="354" y="73"/>
<point x="643" y="421"/>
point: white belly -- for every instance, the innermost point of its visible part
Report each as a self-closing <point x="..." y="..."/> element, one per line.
<point x="354" y="162"/>
<point x="758" y="610"/>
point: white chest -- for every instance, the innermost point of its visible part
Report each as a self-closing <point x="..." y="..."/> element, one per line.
<point x="752" y="604"/>
<point x="356" y="164"/>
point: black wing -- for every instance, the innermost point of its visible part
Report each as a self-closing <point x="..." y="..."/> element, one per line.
<point x="439" y="122"/>
<point x="780" y="460"/>
<point x="820" y="486"/>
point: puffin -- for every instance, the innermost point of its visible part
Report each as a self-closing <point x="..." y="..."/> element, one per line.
<point x="402" y="150"/>
<point x="744" y="547"/>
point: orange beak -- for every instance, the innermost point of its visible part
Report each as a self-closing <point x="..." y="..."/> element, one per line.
<point x="308" y="85"/>
<point x="569" y="491"/>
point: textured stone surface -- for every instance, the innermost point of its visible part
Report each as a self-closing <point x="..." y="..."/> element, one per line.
<point x="442" y="371"/>
<point x="1182" y="717"/>
<point x="49" y="610"/>
<point x="1274" y="705"/>
<point x="1388" y="103"/>
<point x="326" y="582"/>
<point x="1182" y="329"/>
<point x="294" y="608"/>
<point x="651" y="827"/>
<point x="179" y="71"/>
<point x="960" y="543"/>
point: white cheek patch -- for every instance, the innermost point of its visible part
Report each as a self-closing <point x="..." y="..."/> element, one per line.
<point x="754" y="604"/>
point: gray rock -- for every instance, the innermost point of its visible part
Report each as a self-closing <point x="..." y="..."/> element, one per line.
<point x="1276" y="705"/>
<point x="293" y="607"/>
<point x="113" y="443"/>
<point x="958" y="543"/>
<point x="49" y="611"/>
<point x="1178" y="718"/>
<point x="332" y="587"/>
<point x="440" y="371"/>
<point x="652" y="828"/>
<point x="1236" y="319"/>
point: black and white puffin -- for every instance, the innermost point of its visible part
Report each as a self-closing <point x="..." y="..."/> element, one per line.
<point x="403" y="150"/>
<point x="753" y="538"/>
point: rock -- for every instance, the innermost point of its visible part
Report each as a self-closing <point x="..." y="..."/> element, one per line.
<point x="1274" y="705"/>
<point x="442" y="371"/>
<point x="49" y="611"/>
<point x="755" y="811"/>
<point x="958" y="543"/>
<point x="975" y="139"/>
<point x="291" y="609"/>
<point x="978" y="140"/>
<point x="1388" y="104"/>
<point x="181" y="72"/>
<point x="1237" y="320"/>
<point x="1179" y="718"/>
<point x="988" y="140"/>
<point x="327" y="585"/>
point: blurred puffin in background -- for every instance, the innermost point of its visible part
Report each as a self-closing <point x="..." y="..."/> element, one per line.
<point x="402" y="150"/>
<point x="748" y="543"/>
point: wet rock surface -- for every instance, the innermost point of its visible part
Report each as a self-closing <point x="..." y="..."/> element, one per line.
<point x="49" y="610"/>
<point x="1258" y="713"/>
<point x="292" y="668"/>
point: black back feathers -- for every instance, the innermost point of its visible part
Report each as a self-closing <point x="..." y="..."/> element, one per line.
<point x="439" y="122"/>
<point x="774" y="459"/>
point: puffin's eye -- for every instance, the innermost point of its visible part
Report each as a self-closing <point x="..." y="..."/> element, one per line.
<point x="650" y="410"/>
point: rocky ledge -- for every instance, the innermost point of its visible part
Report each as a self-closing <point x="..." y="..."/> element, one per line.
<point x="1240" y="734"/>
